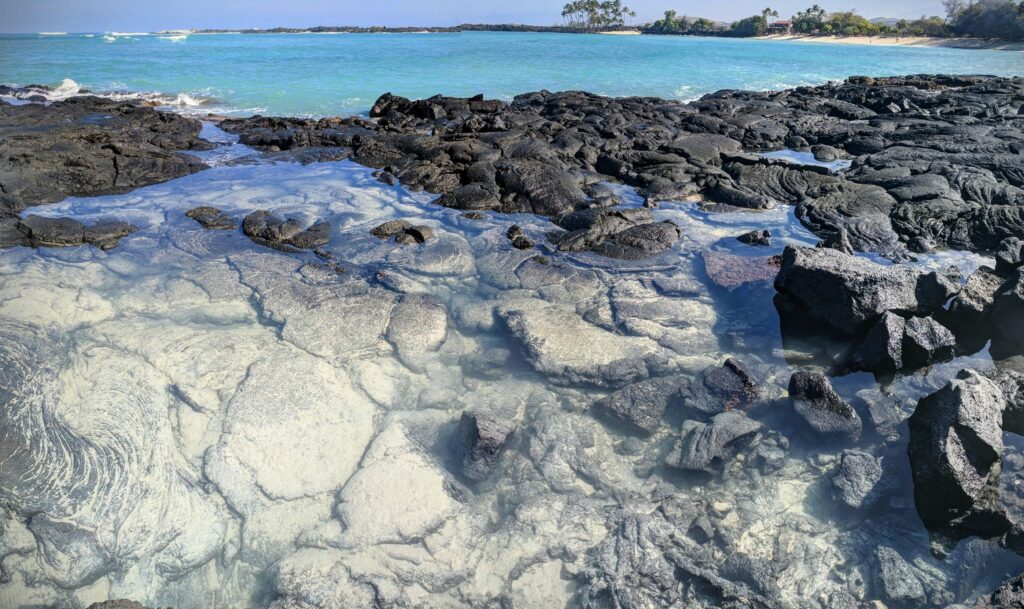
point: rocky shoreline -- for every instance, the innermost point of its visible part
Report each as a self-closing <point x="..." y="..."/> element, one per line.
<point x="934" y="163"/>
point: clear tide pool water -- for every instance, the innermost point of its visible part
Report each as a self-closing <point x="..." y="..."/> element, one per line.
<point x="329" y="74"/>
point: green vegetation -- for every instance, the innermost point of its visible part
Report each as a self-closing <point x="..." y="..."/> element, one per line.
<point x="674" y="24"/>
<point x="592" y="15"/>
<point x="1003" y="19"/>
<point x="987" y="19"/>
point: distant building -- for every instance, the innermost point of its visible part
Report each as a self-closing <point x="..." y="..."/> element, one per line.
<point x="784" y="26"/>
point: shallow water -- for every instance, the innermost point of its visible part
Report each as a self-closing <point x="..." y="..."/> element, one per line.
<point x="317" y="75"/>
<point x="193" y="420"/>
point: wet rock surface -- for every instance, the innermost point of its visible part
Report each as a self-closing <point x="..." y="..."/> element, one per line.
<point x="42" y="231"/>
<point x="87" y="146"/>
<point x="267" y="228"/>
<point x="820" y="406"/>
<point x="421" y="413"/>
<point x="942" y="172"/>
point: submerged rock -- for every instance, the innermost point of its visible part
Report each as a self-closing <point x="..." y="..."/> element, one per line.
<point x="731" y="271"/>
<point x="480" y="440"/>
<point x="211" y="218"/>
<point x="568" y="350"/>
<point x="721" y="388"/>
<point x="268" y="229"/>
<point x="955" y="448"/>
<point x="898" y="583"/>
<point x="701" y="444"/>
<point x="642" y="404"/>
<point x="857" y="479"/>
<point x="820" y="406"/>
<point x="756" y="237"/>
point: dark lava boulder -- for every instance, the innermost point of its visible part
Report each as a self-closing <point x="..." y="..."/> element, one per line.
<point x="820" y="406"/>
<point x="211" y="218"/>
<point x="721" y="388"/>
<point x="40" y="231"/>
<point x="1010" y="595"/>
<point x="641" y="405"/>
<point x="850" y="293"/>
<point x="628" y="234"/>
<point x="479" y="442"/>
<point x="955" y="452"/>
<point x="858" y="479"/>
<point x="1008" y="314"/>
<point x="756" y="237"/>
<point x="266" y="228"/>
<point x="968" y="313"/>
<point x="1010" y="256"/>
<point x="882" y="347"/>
<point x="926" y="341"/>
<point x="1012" y="385"/>
<point x="701" y="444"/>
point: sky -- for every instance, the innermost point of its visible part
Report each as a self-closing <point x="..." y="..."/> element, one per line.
<point x="24" y="16"/>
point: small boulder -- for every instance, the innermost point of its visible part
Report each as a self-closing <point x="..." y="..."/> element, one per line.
<point x="211" y="218"/>
<point x="701" y="444"/>
<point x="269" y="229"/>
<point x="642" y="404"/>
<point x="756" y="237"/>
<point x="926" y="341"/>
<point x="955" y="452"/>
<point x="479" y="442"/>
<point x="856" y="480"/>
<point x="721" y="388"/>
<point x="390" y="229"/>
<point x="820" y="406"/>
<point x="882" y="348"/>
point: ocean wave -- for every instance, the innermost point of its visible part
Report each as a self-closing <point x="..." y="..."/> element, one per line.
<point x="184" y="102"/>
<point x="175" y="38"/>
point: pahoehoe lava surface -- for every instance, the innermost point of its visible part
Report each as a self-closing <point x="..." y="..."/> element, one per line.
<point x="507" y="359"/>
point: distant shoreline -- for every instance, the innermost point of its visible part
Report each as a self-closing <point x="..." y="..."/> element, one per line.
<point x="907" y="41"/>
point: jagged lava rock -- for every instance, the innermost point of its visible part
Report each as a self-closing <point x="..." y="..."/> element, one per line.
<point x="642" y="404"/>
<point x="701" y="444"/>
<point x="820" y="406"/>
<point x="955" y="449"/>
<point x="721" y="388"/>
<point x="857" y="478"/>
<point x="848" y="293"/>
<point x="211" y="218"/>
<point x="479" y="442"/>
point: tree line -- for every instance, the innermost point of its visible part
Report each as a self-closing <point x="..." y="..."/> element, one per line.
<point x="1002" y="19"/>
<point x="594" y="15"/>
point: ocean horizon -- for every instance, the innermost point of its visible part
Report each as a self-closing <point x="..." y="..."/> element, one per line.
<point x="328" y="75"/>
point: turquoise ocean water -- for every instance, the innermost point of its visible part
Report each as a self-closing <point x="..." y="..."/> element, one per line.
<point x="317" y="75"/>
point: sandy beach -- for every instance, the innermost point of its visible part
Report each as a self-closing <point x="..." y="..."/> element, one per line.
<point x="918" y="41"/>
